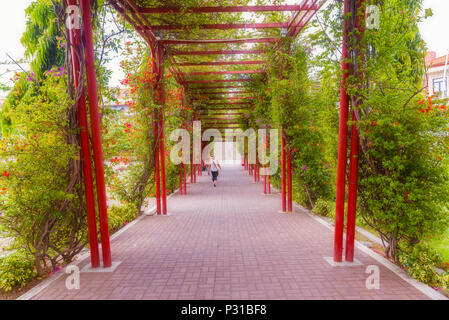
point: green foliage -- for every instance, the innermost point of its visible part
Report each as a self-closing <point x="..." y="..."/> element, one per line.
<point x="419" y="261"/>
<point x="16" y="270"/>
<point x="129" y="140"/>
<point x="120" y="216"/>
<point x="42" y="199"/>
<point x="286" y="100"/>
<point x="404" y="174"/>
<point x="42" y="37"/>
<point x="324" y="207"/>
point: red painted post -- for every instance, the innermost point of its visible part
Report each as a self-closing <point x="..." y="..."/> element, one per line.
<point x="283" y="182"/>
<point x="268" y="183"/>
<point x="191" y="169"/>
<point x="156" y="132"/>
<point x="255" y="169"/>
<point x="342" y="145"/>
<point x="289" y="179"/>
<point x="352" y="192"/>
<point x="161" y="94"/>
<point x="180" y="181"/>
<point x="162" y="154"/>
<point x="96" y="131"/>
<point x="158" y="68"/>
<point x="157" y="178"/>
<point x="354" y="155"/>
<point x="264" y="180"/>
<point x="194" y="173"/>
<point x="185" y="178"/>
<point x="76" y="53"/>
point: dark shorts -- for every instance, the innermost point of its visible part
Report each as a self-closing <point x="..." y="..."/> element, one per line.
<point x="214" y="175"/>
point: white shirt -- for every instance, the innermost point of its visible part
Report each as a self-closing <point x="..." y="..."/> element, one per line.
<point x="213" y="166"/>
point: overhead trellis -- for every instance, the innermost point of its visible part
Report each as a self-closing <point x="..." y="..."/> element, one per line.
<point x="215" y="47"/>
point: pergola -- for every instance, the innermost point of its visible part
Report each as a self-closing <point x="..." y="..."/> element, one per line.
<point x="213" y="67"/>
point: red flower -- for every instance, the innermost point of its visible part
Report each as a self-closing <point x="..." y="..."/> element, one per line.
<point x="5" y="174"/>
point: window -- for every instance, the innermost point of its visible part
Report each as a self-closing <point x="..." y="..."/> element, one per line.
<point x="440" y="87"/>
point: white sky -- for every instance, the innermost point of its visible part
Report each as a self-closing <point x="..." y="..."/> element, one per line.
<point x="434" y="30"/>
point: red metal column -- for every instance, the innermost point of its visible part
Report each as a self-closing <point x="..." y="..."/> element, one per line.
<point x="156" y="132"/>
<point x="194" y="173"/>
<point x="96" y="131"/>
<point x="180" y="181"/>
<point x="264" y="180"/>
<point x="191" y="169"/>
<point x="157" y="180"/>
<point x="268" y="170"/>
<point x="161" y="93"/>
<point x="352" y="192"/>
<point x="354" y="154"/>
<point x="185" y="178"/>
<point x="283" y="182"/>
<point x="342" y="145"/>
<point x="255" y="169"/>
<point x="289" y="179"/>
<point x="162" y="152"/>
<point x="77" y="55"/>
<point x="268" y="183"/>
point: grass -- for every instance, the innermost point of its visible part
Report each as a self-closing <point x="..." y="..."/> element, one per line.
<point x="441" y="244"/>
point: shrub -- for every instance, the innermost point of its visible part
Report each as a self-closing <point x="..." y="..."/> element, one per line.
<point x="118" y="216"/>
<point x="42" y="198"/>
<point x="325" y="208"/>
<point x="420" y="260"/>
<point x="16" y="270"/>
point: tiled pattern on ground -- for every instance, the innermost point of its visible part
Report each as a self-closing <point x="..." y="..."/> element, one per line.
<point x="229" y="242"/>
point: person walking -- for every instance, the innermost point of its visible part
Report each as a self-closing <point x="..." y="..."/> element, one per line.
<point x="214" y="168"/>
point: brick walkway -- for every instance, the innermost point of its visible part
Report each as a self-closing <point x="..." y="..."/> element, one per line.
<point x="229" y="242"/>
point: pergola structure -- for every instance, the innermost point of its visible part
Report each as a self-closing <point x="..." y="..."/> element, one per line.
<point x="212" y="67"/>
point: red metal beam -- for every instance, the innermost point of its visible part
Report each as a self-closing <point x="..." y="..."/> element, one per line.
<point x="220" y="80"/>
<point x="141" y="20"/>
<point x="214" y="116"/>
<point x="225" y="72"/>
<point x="224" y="92"/>
<point x="128" y="19"/>
<point x="228" y="98"/>
<point x="231" y="9"/>
<point x="224" y="26"/>
<point x="219" y="121"/>
<point x="223" y="109"/>
<point x="309" y="14"/>
<point x="217" y="41"/>
<point x="207" y="52"/>
<point x="220" y="63"/>
<point x="225" y="103"/>
<point x="217" y="87"/>
<point x="220" y="114"/>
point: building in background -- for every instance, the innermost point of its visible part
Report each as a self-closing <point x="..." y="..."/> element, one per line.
<point x="437" y="74"/>
<point x="121" y="104"/>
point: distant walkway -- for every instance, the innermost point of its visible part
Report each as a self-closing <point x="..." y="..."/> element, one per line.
<point x="229" y="242"/>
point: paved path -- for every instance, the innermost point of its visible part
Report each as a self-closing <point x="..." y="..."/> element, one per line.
<point x="229" y="242"/>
